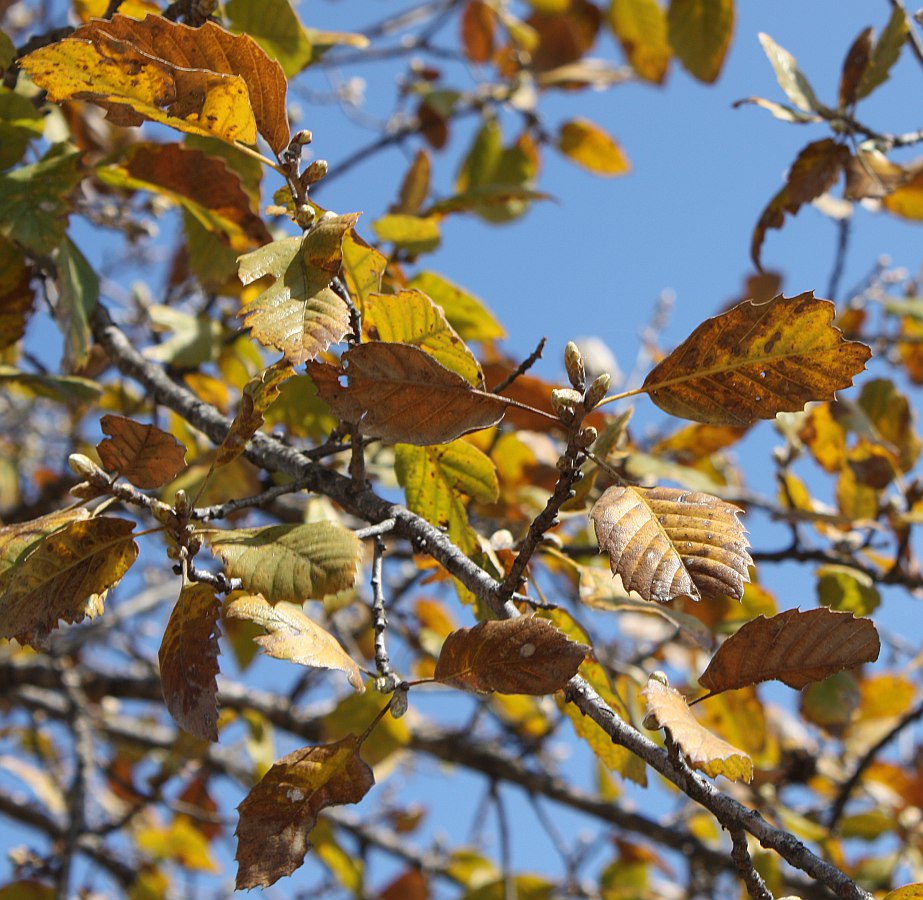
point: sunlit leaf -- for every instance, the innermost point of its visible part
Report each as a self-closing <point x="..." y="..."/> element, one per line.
<point x="60" y="388"/>
<point x="793" y="647"/>
<point x="414" y="234"/>
<point x="18" y="539"/>
<point x="591" y="147"/>
<point x="65" y="577"/>
<point x="465" y="312"/>
<point x="700" y="34"/>
<point x="180" y="843"/>
<point x="756" y="360"/>
<point x="891" y="417"/>
<point x="701" y="748"/>
<point x="290" y="562"/>
<point x="641" y="28"/>
<point x="293" y="636"/>
<point x="277" y="816"/>
<point x="779" y="110"/>
<point x="416" y="184"/>
<point x="401" y="394"/>
<point x="847" y="590"/>
<point x="142" y="454"/>
<point x="191" y="341"/>
<point x="666" y="543"/>
<point x="512" y="656"/>
<point x="189" y="661"/>
<point x="790" y="78"/>
<point x="477" y="25"/>
<point x="855" y="66"/>
<point x="363" y="267"/>
<point x="275" y="26"/>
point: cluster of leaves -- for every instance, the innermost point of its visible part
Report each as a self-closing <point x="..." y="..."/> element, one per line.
<point x="508" y="482"/>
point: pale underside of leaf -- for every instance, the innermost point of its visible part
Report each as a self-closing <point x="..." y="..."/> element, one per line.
<point x="666" y="543"/>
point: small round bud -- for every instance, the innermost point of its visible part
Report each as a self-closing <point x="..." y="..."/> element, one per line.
<point x="587" y="437"/>
<point x="597" y="390"/>
<point x="399" y="702"/>
<point x="573" y="362"/>
<point x="181" y="503"/>
<point x="314" y="172"/>
<point x="650" y="722"/>
<point x="303" y="137"/>
<point x="564" y="401"/>
<point x="387" y="684"/>
<point x="83" y="466"/>
<point x="304" y="215"/>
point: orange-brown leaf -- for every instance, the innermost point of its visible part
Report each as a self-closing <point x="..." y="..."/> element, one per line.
<point x="143" y="454"/>
<point x="666" y="543"/>
<point x="855" y="65"/>
<point x="477" y="31"/>
<point x="277" y="816"/>
<point x="756" y="360"/>
<point x="512" y="656"/>
<point x="793" y="647"/>
<point x="701" y="748"/>
<point x="401" y="394"/>
<point x="189" y="661"/>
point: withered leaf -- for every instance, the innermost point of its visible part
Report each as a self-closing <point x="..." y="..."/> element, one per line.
<point x="18" y="539"/>
<point x="702" y="749"/>
<point x="189" y="661"/>
<point x="756" y="360"/>
<point x="399" y="393"/>
<point x="666" y="543"/>
<point x="855" y="66"/>
<point x="793" y="647"/>
<point x="293" y="636"/>
<point x="65" y="577"/>
<point x="277" y="816"/>
<point x="511" y="656"/>
<point x="142" y="454"/>
<point x="477" y="25"/>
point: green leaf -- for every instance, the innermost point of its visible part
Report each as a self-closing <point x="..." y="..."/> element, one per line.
<point x="20" y="121"/>
<point x="275" y="26"/>
<point x="79" y="293"/>
<point x="7" y="50"/>
<point x="290" y="562"/>
<point x="466" y="313"/>
<point x="700" y="34"/>
<point x="62" y="389"/>
<point x="415" y="234"/>
<point x="194" y="340"/>
<point x="886" y="52"/>
<point x="847" y="590"/>
<point x="34" y="200"/>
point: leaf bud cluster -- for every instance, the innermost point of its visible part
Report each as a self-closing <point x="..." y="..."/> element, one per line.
<point x="573" y="362"/>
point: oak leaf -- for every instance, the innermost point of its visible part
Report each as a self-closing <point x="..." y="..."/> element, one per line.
<point x="199" y="80"/>
<point x="189" y="661"/>
<point x="293" y="636"/>
<point x="277" y="816"/>
<point x="290" y="562"/>
<point x="512" y="656"/>
<point x="400" y="394"/>
<point x="65" y="577"/>
<point x="666" y="543"/>
<point x="756" y="360"/>
<point x="142" y="454"/>
<point x="702" y="749"/>
<point x="793" y="647"/>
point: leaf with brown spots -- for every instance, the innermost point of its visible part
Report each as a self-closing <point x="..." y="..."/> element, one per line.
<point x="142" y="454"/>
<point x="512" y="656"/>
<point x="756" y="360"/>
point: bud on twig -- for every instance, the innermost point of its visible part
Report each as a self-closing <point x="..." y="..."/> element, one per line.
<point x="564" y="401"/>
<point x="303" y="137"/>
<point x="587" y="437"/>
<point x="314" y="172"/>
<point x="597" y="390"/>
<point x="573" y="362"/>
<point x="84" y="466"/>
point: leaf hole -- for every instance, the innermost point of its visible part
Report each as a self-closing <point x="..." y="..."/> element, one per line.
<point x="762" y="373"/>
<point x="527" y="650"/>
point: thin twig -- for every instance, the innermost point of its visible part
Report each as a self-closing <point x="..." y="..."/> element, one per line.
<point x="379" y="617"/>
<point x="915" y="44"/>
<point x="522" y="368"/>
<point x="844" y="230"/>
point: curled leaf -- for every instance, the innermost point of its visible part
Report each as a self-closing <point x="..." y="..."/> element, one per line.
<point x="142" y="454"/>
<point x="666" y="543"/>
<point x="793" y="647"/>
<point x="512" y="656"/>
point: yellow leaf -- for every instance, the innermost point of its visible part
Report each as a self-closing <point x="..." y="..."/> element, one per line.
<point x="590" y="146"/>
<point x="700" y="33"/>
<point x="466" y="313"/>
<point x="641" y="27"/>
<point x="181" y="842"/>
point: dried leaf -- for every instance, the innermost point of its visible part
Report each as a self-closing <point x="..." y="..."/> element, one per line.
<point x="756" y="360"/>
<point x="666" y="543"/>
<point x="189" y="661"/>
<point x="16" y="295"/>
<point x="142" y="454"/>
<point x="641" y="27"/>
<point x="797" y="88"/>
<point x="401" y="394"/>
<point x="477" y="31"/>
<point x="300" y="314"/>
<point x="512" y="656"/>
<point x="293" y="636"/>
<point x="702" y="749"/>
<point x="19" y="539"/>
<point x="591" y="147"/>
<point x="200" y="80"/>
<point x="857" y="61"/>
<point x="277" y="816"/>
<point x="275" y="26"/>
<point x="700" y="34"/>
<point x="66" y="577"/>
<point x="793" y="647"/>
<point x="290" y="562"/>
<point x="416" y="184"/>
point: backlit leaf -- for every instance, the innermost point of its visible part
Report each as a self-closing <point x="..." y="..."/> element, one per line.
<point x="477" y="25"/>
<point x="65" y="577"/>
<point x="885" y="53"/>
<point x="201" y="80"/>
<point x="512" y="656"/>
<point x="410" y="317"/>
<point x="189" y="661"/>
<point x="363" y="267"/>
<point x="889" y="413"/>
<point x="793" y="647"/>
<point x="700" y="33"/>
<point x="60" y="388"/>
<point x="702" y="749"/>
<point x="16" y="295"/>
<point x="466" y="313"/>
<point x="756" y="360"/>
<point x="20" y="122"/>
<point x="300" y="314"/>
<point x="275" y="26"/>
<point x="641" y="28"/>
<point x="277" y="816"/>
<point x="416" y="185"/>
<point x="401" y="394"/>
<point x="591" y="147"/>
<point x="143" y="454"/>
<point x="666" y="543"/>
<point x="78" y="286"/>
<point x="415" y="234"/>
<point x="855" y="65"/>
<point x="20" y="538"/>
<point x="790" y="78"/>
<point x="293" y="636"/>
<point x="290" y="562"/>
<point x="847" y="590"/>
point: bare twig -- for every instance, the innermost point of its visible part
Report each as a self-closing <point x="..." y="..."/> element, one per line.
<point x="379" y="617"/>
<point x="522" y="368"/>
<point x="756" y="887"/>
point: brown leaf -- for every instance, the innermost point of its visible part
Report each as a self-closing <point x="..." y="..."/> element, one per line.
<point x="793" y="647"/>
<point x="293" y="636"/>
<point x="65" y="576"/>
<point x="401" y="394"/>
<point x="277" y="816"/>
<point x="666" y="543"/>
<point x="855" y="65"/>
<point x="189" y="661"/>
<point x="196" y="79"/>
<point x="477" y="31"/>
<point x="16" y="295"/>
<point x="702" y="749"/>
<point x="512" y="656"/>
<point x="143" y="454"/>
<point x="756" y="360"/>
